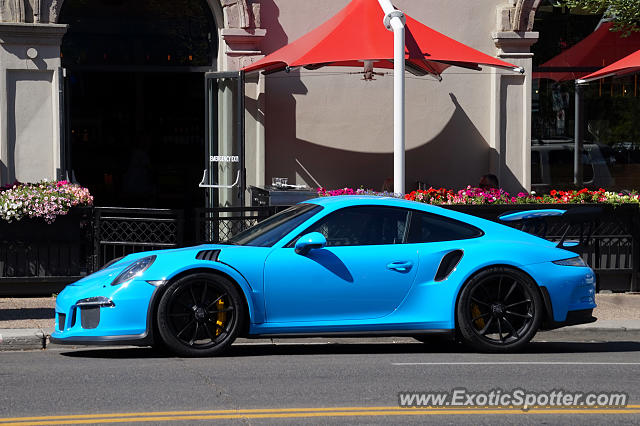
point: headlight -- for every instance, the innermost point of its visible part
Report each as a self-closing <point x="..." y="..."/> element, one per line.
<point x="574" y="261"/>
<point x="134" y="270"/>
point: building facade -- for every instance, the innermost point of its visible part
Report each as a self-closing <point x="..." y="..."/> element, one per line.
<point x="129" y="120"/>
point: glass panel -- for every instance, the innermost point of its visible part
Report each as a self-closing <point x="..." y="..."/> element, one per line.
<point x="225" y="144"/>
<point x="536" y="171"/>
<point x="368" y="225"/>
<point x="429" y="228"/>
<point x="271" y="230"/>
<point x="137" y="138"/>
<point x="228" y="150"/>
<point x="611" y="105"/>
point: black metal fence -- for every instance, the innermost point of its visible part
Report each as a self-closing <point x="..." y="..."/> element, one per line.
<point x="40" y="258"/>
<point x="218" y="225"/>
<point x="118" y="232"/>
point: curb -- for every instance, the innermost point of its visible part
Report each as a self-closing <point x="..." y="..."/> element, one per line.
<point x="23" y="339"/>
<point x="35" y="338"/>
<point x="612" y="330"/>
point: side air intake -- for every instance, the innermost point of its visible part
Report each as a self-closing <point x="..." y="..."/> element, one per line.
<point x="448" y="264"/>
<point x="211" y="255"/>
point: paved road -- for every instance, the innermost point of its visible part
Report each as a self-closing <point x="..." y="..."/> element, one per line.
<point x="364" y="375"/>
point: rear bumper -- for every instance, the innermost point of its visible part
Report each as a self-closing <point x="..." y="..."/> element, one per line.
<point x="565" y="289"/>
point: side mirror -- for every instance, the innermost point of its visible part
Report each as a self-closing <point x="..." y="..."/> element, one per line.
<point x="308" y="242"/>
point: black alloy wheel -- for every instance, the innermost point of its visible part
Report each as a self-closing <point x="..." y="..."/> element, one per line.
<point x="499" y="310"/>
<point x="200" y="315"/>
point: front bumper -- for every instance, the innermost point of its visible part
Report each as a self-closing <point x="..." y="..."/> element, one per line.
<point x="584" y="316"/>
<point x="93" y="313"/>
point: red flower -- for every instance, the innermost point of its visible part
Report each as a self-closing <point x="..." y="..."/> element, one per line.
<point x="553" y="192"/>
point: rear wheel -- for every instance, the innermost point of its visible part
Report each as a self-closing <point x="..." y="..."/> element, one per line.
<point x="499" y="310"/>
<point x="200" y="315"/>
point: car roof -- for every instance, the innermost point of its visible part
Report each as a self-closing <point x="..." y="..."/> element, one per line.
<point x="497" y="229"/>
<point x="339" y="201"/>
<point x="351" y="200"/>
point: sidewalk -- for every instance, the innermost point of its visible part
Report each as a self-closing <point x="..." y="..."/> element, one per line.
<point x="27" y="323"/>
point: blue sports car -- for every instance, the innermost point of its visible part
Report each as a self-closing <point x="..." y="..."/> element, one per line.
<point x="346" y="265"/>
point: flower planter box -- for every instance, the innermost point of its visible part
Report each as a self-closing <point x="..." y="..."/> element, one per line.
<point x="38" y="258"/>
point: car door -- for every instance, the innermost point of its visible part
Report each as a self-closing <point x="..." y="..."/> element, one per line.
<point x="363" y="272"/>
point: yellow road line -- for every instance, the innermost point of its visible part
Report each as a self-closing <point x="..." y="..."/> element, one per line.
<point x="179" y="413"/>
<point x="280" y="413"/>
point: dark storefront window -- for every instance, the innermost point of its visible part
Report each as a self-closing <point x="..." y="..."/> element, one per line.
<point x="140" y="32"/>
<point x="570" y="46"/>
<point x="135" y="99"/>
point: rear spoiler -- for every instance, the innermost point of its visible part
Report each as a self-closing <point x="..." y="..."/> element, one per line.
<point x="530" y="214"/>
<point x="582" y="216"/>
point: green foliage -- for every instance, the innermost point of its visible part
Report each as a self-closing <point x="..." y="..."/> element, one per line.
<point x="625" y="13"/>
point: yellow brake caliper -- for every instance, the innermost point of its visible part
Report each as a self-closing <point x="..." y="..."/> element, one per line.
<point x="475" y="312"/>
<point x="221" y="317"/>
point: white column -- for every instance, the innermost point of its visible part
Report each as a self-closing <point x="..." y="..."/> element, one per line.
<point x="510" y="138"/>
<point x="394" y="21"/>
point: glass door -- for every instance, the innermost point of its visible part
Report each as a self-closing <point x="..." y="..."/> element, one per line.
<point x="224" y="174"/>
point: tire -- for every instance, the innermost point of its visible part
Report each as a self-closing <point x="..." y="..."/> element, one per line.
<point x="200" y="315"/>
<point x="499" y="310"/>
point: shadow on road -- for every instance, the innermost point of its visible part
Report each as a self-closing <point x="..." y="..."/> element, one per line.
<point x="258" y="350"/>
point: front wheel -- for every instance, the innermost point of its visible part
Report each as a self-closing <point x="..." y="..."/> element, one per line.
<point x="499" y="310"/>
<point x="200" y="315"/>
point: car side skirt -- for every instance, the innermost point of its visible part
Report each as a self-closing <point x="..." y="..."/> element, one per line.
<point x="385" y="333"/>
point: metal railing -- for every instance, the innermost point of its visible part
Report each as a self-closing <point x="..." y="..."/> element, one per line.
<point x="119" y="231"/>
<point x="220" y="224"/>
<point x="33" y="252"/>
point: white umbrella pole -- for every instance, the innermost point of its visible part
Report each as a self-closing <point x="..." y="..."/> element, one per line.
<point x="394" y="20"/>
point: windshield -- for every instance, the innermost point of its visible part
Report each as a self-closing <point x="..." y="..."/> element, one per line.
<point x="271" y="230"/>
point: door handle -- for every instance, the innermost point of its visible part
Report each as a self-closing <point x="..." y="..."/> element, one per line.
<point x="401" y="266"/>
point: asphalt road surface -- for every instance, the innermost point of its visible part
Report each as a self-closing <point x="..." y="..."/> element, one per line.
<point x="311" y="383"/>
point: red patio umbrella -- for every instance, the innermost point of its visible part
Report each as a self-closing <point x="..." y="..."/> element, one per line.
<point x="356" y="37"/>
<point x="627" y="65"/>
<point x="600" y="48"/>
<point x="356" y="34"/>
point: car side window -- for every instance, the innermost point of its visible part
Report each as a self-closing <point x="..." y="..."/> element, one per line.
<point x="430" y="228"/>
<point x="362" y="225"/>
